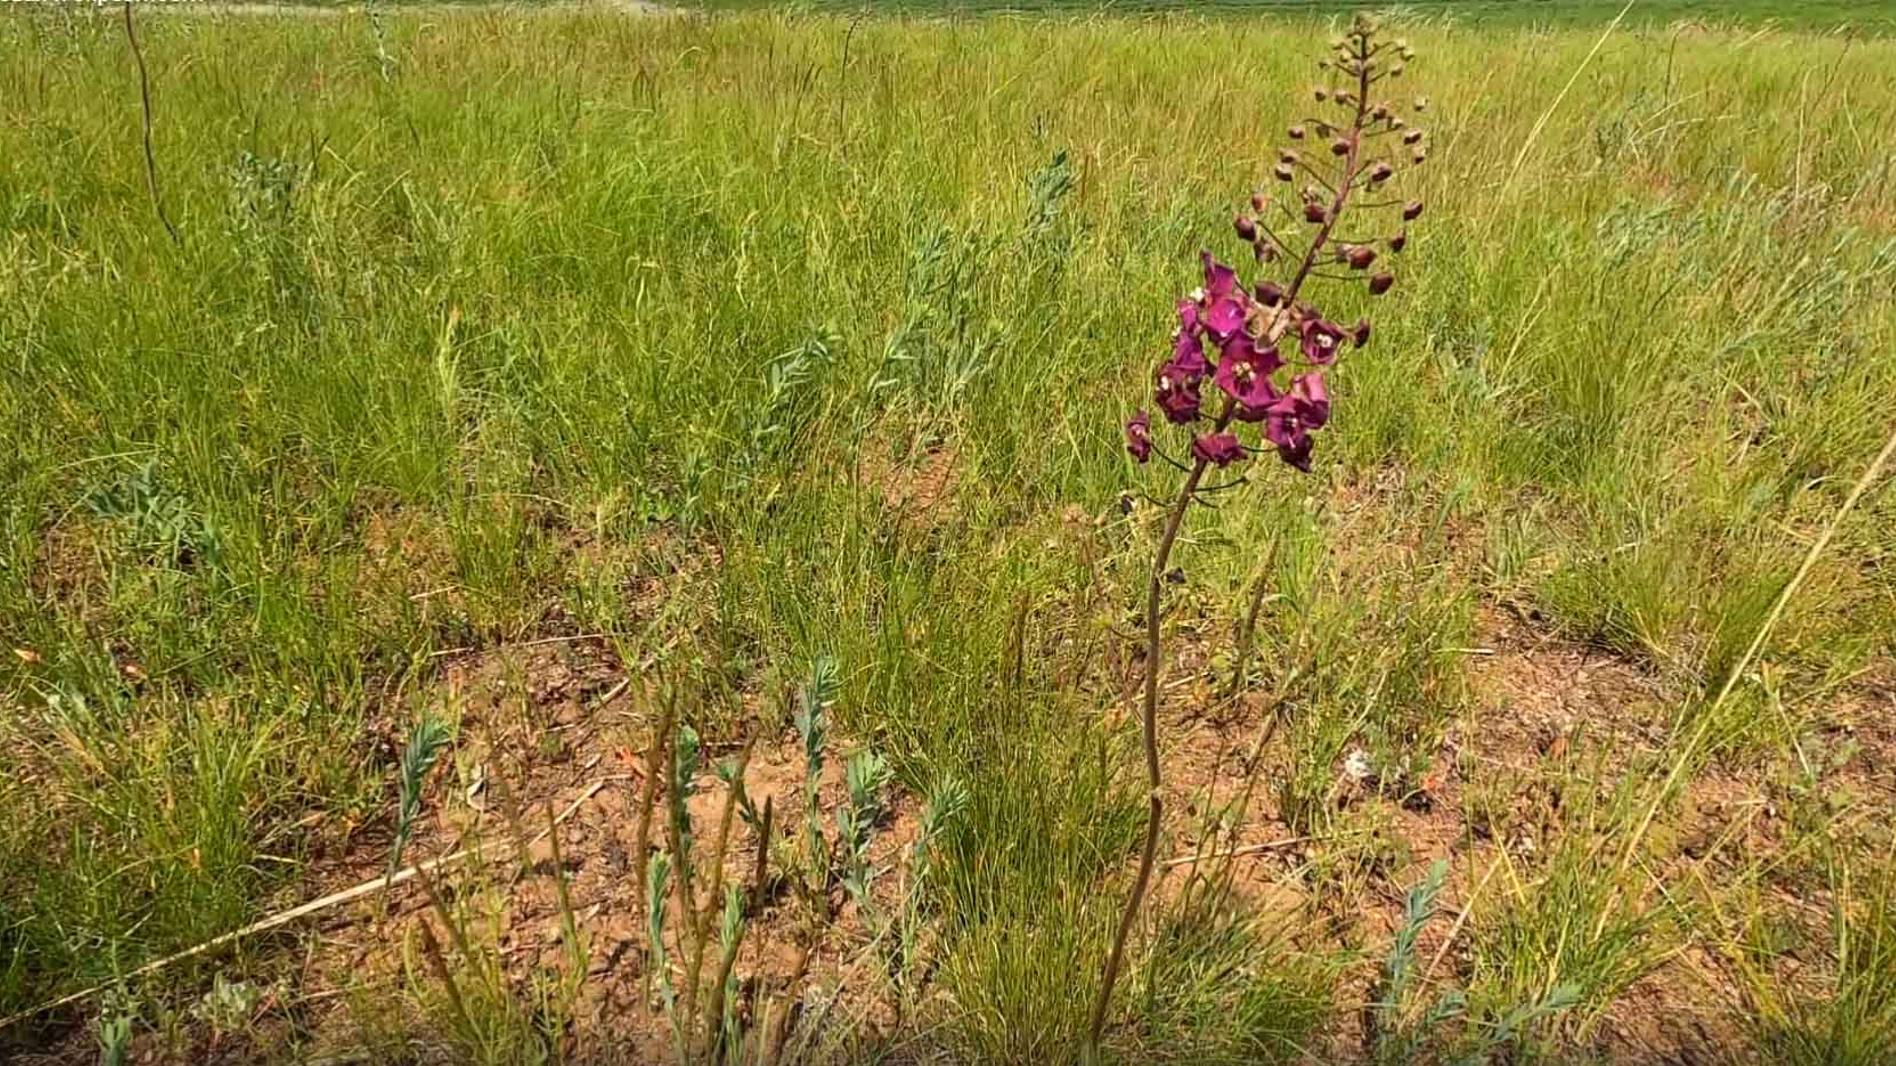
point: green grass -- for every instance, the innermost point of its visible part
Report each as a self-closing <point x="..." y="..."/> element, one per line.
<point x="547" y="307"/>
<point x="1870" y="16"/>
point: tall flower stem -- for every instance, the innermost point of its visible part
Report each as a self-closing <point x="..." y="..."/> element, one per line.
<point x="1148" y="720"/>
<point x="1155" y="585"/>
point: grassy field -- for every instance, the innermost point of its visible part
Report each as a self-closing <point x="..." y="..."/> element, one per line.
<point x="1875" y="17"/>
<point x="685" y="355"/>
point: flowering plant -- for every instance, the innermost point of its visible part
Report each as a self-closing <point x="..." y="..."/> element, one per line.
<point x="1265" y="349"/>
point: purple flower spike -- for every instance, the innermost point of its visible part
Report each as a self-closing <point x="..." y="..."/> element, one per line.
<point x="1320" y="341"/>
<point x="1139" y="436"/>
<point x="1221" y="448"/>
<point x="1177" y="395"/>
<point x="1219" y="279"/>
<point x="1311" y="399"/>
<point x="1244" y="373"/>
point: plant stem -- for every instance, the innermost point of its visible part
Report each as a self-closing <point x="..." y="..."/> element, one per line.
<point x="144" y="99"/>
<point x="1149" y="710"/>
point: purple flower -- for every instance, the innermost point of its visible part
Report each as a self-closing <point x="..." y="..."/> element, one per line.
<point x="1177" y="394"/>
<point x="1221" y="448"/>
<point x="1283" y="428"/>
<point x="1187" y="316"/>
<point x="1244" y="373"/>
<point x="1310" y="399"/>
<point x="1320" y="340"/>
<point x="1188" y="358"/>
<point x="1219" y="279"/>
<point x="1139" y="436"/>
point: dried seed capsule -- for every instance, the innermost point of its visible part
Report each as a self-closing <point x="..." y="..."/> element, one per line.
<point x="1412" y="137"/>
<point x="1380" y="173"/>
<point x="1285" y="155"/>
<point x="1380" y="284"/>
<point x="1269" y="293"/>
<point x="1412" y="211"/>
<point x="1247" y="229"/>
<point x="1396" y="71"/>
<point x="1321" y="93"/>
<point x="1296" y="132"/>
<point x="1421" y="103"/>
<point x="1314" y="212"/>
<point x="1397" y="242"/>
<point x="1283" y="172"/>
<point x="1360" y="256"/>
<point x="1340" y="146"/>
<point x="1419" y="157"/>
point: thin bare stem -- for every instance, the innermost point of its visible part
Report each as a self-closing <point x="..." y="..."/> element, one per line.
<point x="1247" y="630"/>
<point x="760" y="875"/>
<point x="1149" y="709"/>
<point x="144" y="99"/>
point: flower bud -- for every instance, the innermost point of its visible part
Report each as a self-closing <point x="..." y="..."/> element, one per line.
<point x="1283" y="172"/>
<point x="1397" y="242"/>
<point x="1296" y="132"/>
<point x="1396" y="71"/>
<point x="1360" y="256"/>
<point x="1321" y="93"/>
<point x="1359" y="333"/>
<point x="1421" y="103"/>
<point x="1412" y="137"/>
<point x="1269" y="293"/>
<point x="1286" y="155"/>
<point x="1265" y="250"/>
<point x="1247" y="229"/>
<point x="1340" y="146"/>
<point x="1380" y="284"/>
<point x="1380" y="173"/>
<point x="1314" y="212"/>
<point x="1419" y="156"/>
<point x="1412" y="211"/>
<point x="1258" y="202"/>
<point x="1396" y="123"/>
<point x="1381" y="112"/>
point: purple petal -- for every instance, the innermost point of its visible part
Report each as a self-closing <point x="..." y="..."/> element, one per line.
<point x="1311" y="398"/>
<point x="1139" y="436"/>
<point x="1219" y="279"/>
<point x="1221" y="448"/>
<point x="1224" y="317"/>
